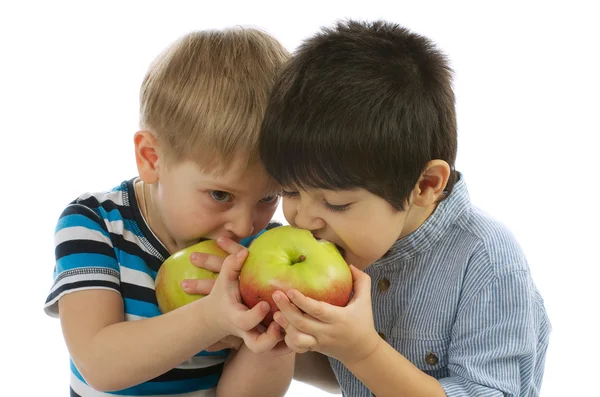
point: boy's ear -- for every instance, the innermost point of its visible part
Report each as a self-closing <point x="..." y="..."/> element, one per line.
<point x="146" y="156"/>
<point x="432" y="183"/>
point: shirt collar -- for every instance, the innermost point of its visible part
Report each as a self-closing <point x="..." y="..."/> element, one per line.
<point x="436" y="226"/>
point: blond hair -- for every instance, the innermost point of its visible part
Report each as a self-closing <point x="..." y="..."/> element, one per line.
<point x="205" y="96"/>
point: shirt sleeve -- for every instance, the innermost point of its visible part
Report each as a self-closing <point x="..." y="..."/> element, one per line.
<point x="85" y="256"/>
<point x="248" y="240"/>
<point x="499" y="341"/>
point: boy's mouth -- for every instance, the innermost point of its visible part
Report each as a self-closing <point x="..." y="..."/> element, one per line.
<point x="342" y="250"/>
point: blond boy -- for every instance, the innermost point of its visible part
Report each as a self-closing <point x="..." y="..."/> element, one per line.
<point x="201" y="107"/>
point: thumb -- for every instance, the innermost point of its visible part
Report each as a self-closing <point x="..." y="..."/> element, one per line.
<point x="262" y="342"/>
<point x="251" y="318"/>
<point x="233" y="265"/>
<point x="361" y="283"/>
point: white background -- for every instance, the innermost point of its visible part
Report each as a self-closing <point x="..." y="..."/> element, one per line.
<point x="527" y="86"/>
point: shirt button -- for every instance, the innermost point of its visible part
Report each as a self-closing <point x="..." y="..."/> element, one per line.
<point x="431" y="358"/>
<point x="383" y="284"/>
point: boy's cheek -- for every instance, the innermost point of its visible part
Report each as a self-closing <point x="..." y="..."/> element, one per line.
<point x="263" y="219"/>
<point x="289" y="211"/>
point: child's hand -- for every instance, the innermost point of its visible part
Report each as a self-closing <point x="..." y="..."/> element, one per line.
<point x="228" y="312"/>
<point x="205" y="261"/>
<point x="194" y="286"/>
<point x="228" y="342"/>
<point x="345" y="333"/>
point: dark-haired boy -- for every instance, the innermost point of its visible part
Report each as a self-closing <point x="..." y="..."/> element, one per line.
<point x="360" y="131"/>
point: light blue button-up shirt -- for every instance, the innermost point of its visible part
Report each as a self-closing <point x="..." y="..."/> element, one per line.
<point x="456" y="298"/>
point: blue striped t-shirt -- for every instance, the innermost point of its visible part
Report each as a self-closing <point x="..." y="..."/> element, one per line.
<point x="456" y="298"/>
<point x="102" y="242"/>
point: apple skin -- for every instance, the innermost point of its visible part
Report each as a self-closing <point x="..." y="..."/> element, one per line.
<point x="285" y="258"/>
<point x="177" y="268"/>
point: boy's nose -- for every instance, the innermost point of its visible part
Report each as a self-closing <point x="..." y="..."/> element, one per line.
<point x="242" y="226"/>
<point x="305" y="220"/>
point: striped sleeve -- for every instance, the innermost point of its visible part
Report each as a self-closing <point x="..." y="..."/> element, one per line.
<point x="84" y="253"/>
<point x="496" y="346"/>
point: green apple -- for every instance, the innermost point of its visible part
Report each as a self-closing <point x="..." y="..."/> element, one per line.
<point x="285" y="258"/>
<point x="177" y="268"/>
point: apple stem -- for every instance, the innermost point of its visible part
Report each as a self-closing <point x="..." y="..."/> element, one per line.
<point x="301" y="258"/>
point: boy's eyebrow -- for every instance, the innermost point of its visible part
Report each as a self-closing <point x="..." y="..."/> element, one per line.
<point x="224" y="188"/>
<point x="230" y="189"/>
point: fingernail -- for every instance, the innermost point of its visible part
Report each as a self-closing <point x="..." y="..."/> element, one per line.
<point x="221" y="240"/>
<point x="241" y="253"/>
<point x="276" y="297"/>
<point x="290" y="294"/>
<point x="185" y="284"/>
<point x="194" y="256"/>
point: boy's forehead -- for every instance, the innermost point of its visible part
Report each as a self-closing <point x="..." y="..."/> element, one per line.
<point x="240" y="177"/>
<point x="244" y="184"/>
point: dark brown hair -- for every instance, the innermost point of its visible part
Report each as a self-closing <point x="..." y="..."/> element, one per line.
<point x="361" y="105"/>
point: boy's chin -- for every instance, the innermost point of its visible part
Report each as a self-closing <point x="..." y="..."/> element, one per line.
<point x="352" y="259"/>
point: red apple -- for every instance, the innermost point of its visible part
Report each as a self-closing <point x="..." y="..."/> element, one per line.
<point x="285" y="258"/>
<point x="177" y="268"/>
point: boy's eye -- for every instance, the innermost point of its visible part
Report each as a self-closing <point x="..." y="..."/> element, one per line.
<point x="220" y="196"/>
<point x="289" y="194"/>
<point x="269" y="199"/>
<point x="337" y="208"/>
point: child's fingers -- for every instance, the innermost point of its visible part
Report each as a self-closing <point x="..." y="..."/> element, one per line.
<point x="261" y="328"/>
<point x="233" y="265"/>
<point x="281" y="299"/>
<point x="320" y="310"/>
<point x="275" y="330"/>
<point x="281" y="349"/>
<point x="206" y="261"/>
<point x="286" y="309"/>
<point x="299" y="342"/>
<point x="250" y="319"/>
<point x="229" y="246"/>
<point x="290" y="315"/>
<point x="193" y="286"/>
<point x="362" y="283"/>
<point x="262" y="342"/>
<point x="280" y="319"/>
